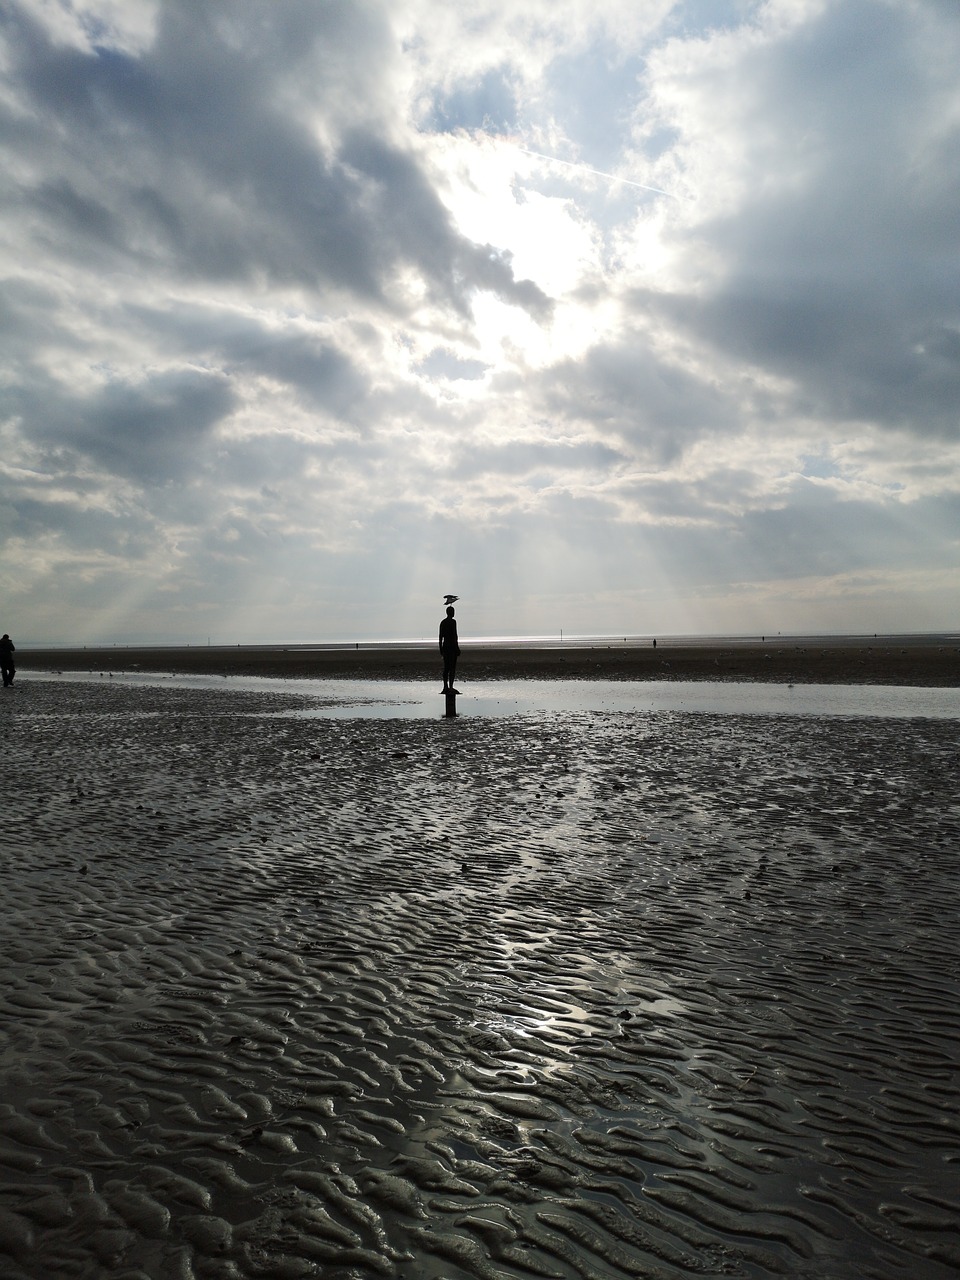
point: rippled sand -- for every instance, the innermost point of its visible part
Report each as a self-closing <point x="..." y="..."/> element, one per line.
<point x="587" y="996"/>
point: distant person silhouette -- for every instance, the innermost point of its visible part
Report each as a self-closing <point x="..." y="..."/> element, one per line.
<point x="449" y="649"/>
<point x="7" y="650"/>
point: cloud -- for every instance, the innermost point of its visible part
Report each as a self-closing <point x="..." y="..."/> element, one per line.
<point x="290" y="313"/>
<point x="244" y="345"/>
<point x="631" y="395"/>
<point x="542" y="464"/>
<point x="831" y="265"/>
<point x="211" y="175"/>
<point x="151" y="431"/>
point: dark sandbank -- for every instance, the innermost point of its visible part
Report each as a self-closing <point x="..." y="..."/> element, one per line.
<point x="897" y="660"/>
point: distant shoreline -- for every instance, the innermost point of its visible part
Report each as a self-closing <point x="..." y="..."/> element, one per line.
<point x="898" y="660"/>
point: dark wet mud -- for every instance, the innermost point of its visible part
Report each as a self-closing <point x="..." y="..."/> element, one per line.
<point x="654" y="995"/>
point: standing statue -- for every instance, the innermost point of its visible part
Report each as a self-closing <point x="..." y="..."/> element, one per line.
<point x="449" y="648"/>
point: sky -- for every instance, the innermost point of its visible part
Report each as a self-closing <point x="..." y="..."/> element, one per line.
<point x="609" y="316"/>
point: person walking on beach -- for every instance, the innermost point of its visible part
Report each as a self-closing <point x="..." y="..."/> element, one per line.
<point x="449" y="650"/>
<point x="7" y="650"/>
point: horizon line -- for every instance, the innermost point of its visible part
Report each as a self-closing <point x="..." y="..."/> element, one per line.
<point x="547" y="639"/>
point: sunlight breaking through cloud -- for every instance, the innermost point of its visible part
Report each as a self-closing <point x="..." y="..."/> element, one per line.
<point x="642" y="315"/>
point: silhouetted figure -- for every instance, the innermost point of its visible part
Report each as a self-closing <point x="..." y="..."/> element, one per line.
<point x="449" y="649"/>
<point x="7" y="650"/>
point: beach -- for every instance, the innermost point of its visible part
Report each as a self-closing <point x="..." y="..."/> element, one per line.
<point x="895" y="660"/>
<point x="579" y="995"/>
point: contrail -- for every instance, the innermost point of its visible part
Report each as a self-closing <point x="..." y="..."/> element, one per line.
<point x="585" y="168"/>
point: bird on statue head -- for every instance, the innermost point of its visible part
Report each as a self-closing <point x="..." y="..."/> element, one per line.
<point x="450" y="599"/>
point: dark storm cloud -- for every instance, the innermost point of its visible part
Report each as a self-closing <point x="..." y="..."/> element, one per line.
<point x="186" y="157"/>
<point x="855" y="352"/>
<point x="126" y="534"/>
<point x="816" y="530"/>
<point x="151" y="431"/>
<point x="204" y="175"/>
<point x="322" y="375"/>
<point x="28" y="323"/>
<point x="651" y="408"/>
<point x="79" y="217"/>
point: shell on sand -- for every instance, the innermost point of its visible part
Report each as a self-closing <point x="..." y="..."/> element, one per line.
<point x="635" y="994"/>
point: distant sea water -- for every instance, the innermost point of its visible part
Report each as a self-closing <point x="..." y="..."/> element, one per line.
<point x="554" y="640"/>
<point x="558" y="640"/>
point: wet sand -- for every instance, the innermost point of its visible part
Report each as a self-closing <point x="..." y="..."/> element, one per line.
<point x="901" y="660"/>
<point x="660" y="994"/>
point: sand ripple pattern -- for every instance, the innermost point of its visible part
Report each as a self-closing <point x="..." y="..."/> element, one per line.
<point x="592" y="996"/>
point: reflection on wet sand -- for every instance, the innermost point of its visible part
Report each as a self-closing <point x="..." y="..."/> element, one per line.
<point x="414" y="700"/>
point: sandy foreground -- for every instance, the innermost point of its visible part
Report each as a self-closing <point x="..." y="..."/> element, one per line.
<point x="657" y="995"/>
